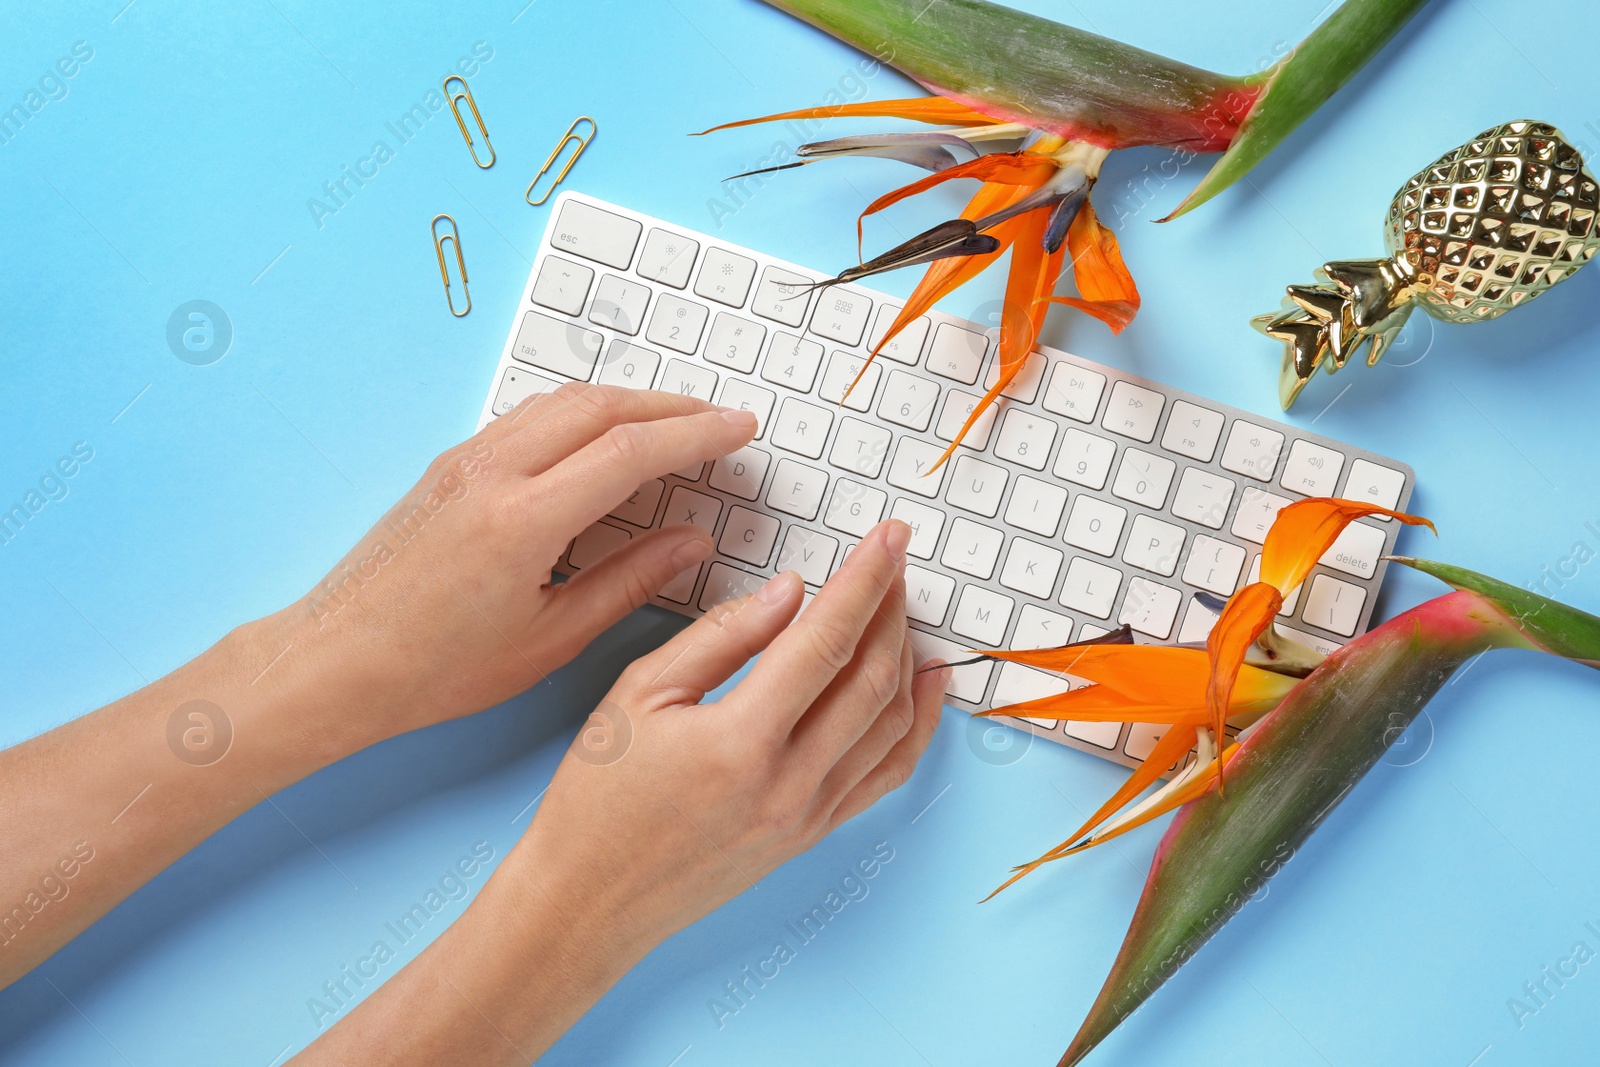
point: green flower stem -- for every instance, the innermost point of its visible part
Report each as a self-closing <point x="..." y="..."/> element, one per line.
<point x="1302" y="82"/>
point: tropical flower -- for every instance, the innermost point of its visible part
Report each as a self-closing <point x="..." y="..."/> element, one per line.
<point x="1312" y="728"/>
<point x="1031" y="108"/>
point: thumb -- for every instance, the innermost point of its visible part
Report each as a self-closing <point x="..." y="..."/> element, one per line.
<point x="600" y="595"/>
<point x="707" y="654"/>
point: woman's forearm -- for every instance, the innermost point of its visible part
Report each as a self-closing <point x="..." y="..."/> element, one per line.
<point x="98" y="806"/>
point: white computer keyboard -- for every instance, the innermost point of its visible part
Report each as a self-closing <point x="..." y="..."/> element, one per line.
<point x="1086" y="499"/>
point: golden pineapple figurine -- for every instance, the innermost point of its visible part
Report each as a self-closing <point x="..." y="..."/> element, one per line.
<point x="1484" y="228"/>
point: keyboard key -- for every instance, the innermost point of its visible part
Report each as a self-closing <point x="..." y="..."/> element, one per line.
<point x="1036" y="506"/>
<point x="1155" y="546"/>
<point x="748" y="535"/>
<point x="1252" y="450"/>
<point x="908" y="400"/>
<point x="1192" y="431"/>
<point x="1257" y="509"/>
<point x="1356" y="550"/>
<point x="1150" y="608"/>
<point x="677" y="323"/>
<point x="782" y="297"/>
<point x="619" y="304"/>
<point x="1144" y="478"/>
<point x="595" y="544"/>
<point x="557" y="346"/>
<point x="845" y="371"/>
<point x="563" y="285"/>
<point x="1038" y="628"/>
<point x="1017" y="684"/>
<point x="742" y="396"/>
<point x="725" y="277"/>
<point x="1094" y="525"/>
<point x="734" y="343"/>
<point x="797" y="489"/>
<point x="640" y="508"/>
<point x="726" y="583"/>
<point x="1203" y="497"/>
<point x="1085" y="458"/>
<point x="595" y="235"/>
<point x="1142" y="738"/>
<point x="972" y="549"/>
<point x="928" y="596"/>
<point x="1133" y="411"/>
<point x="667" y="258"/>
<point x="688" y="379"/>
<point x="802" y="427"/>
<point x="685" y="507"/>
<point x="629" y="366"/>
<point x="1334" y="605"/>
<point x="982" y="615"/>
<point x="792" y="362"/>
<point x="741" y="473"/>
<point x="1074" y="391"/>
<point x="958" y="408"/>
<point x="976" y="486"/>
<point x="967" y="682"/>
<point x="1099" y="734"/>
<point x="1214" y="565"/>
<point x="860" y="447"/>
<point x="854" y="508"/>
<point x="808" y="553"/>
<point x="957" y="353"/>
<point x="907" y="344"/>
<point x="1198" y="621"/>
<point x="516" y="385"/>
<point x="1373" y="484"/>
<point x="1025" y="438"/>
<point x="841" y="316"/>
<point x="1031" y="568"/>
<point x="909" y="469"/>
<point x="681" y="588"/>
<point x="926" y="524"/>
<point x="1311" y="469"/>
<point x="1024" y="388"/>
<point x="1090" y="587"/>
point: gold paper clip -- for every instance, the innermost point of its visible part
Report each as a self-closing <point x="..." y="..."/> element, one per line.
<point x="567" y="138"/>
<point x="454" y="237"/>
<point x="455" y="109"/>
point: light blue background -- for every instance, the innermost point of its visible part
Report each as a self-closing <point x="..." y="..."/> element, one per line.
<point x="179" y="167"/>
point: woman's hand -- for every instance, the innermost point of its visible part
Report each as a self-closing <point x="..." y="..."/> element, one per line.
<point x="447" y="607"/>
<point x="665" y="807"/>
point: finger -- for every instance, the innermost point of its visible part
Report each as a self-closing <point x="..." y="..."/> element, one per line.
<point x="552" y="426"/>
<point x="861" y="692"/>
<point x="600" y="475"/>
<point x="895" y="769"/>
<point x="805" y="659"/>
<point x="707" y="654"/>
<point x="884" y="732"/>
<point x="626" y="579"/>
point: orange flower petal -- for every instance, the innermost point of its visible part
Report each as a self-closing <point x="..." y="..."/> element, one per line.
<point x="931" y="109"/>
<point x="1106" y="289"/>
<point x="1249" y="612"/>
<point x="1306" y="529"/>
<point x="1001" y="168"/>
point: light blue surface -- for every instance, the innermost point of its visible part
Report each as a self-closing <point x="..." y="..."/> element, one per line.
<point x="179" y="165"/>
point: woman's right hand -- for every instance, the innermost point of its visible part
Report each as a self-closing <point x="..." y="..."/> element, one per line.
<point x="665" y="807"/>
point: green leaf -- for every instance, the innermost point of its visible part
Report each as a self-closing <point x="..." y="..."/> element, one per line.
<point x="1302" y="82"/>
<point x="1553" y="626"/>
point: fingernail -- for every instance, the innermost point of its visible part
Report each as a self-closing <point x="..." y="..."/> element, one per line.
<point x="897" y="539"/>
<point x="744" y="420"/>
<point x="776" y="588"/>
<point x="691" y="552"/>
